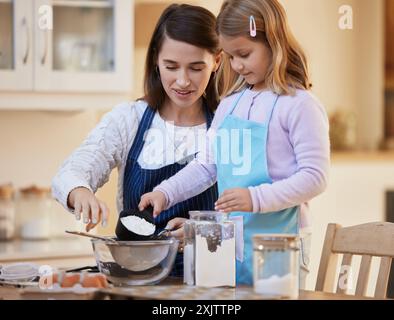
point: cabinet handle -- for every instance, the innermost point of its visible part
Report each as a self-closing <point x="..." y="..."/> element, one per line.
<point x="44" y="56"/>
<point x="26" y="26"/>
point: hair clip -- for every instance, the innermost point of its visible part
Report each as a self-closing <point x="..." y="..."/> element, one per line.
<point x="252" y="26"/>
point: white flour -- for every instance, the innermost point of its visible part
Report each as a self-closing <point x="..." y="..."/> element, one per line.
<point x="215" y="269"/>
<point x="286" y="286"/>
<point x="138" y="225"/>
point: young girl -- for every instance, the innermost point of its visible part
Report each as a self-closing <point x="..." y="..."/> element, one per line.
<point x="268" y="146"/>
<point x="151" y="139"/>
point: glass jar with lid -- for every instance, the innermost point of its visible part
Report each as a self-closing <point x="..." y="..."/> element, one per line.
<point x="33" y="213"/>
<point x="276" y="265"/>
<point x="209" y="241"/>
<point x="7" y="212"/>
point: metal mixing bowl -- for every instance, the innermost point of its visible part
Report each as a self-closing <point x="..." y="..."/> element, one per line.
<point x="128" y="263"/>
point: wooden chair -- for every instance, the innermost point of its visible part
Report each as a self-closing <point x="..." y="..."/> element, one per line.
<point x="367" y="240"/>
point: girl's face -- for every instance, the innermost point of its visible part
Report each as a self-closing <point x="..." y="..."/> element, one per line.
<point x="185" y="71"/>
<point x="250" y="59"/>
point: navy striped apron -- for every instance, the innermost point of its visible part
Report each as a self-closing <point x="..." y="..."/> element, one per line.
<point x="138" y="181"/>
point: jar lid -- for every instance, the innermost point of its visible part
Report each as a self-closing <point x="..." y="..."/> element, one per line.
<point x="213" y="216"/>
<point x="275" y="240"/>
<point x="275" y="236"/>
<point x="35" y="191"/>
<point x="6" y="191"/>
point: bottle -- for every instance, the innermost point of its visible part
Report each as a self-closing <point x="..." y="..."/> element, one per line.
<point x="7" y="212"/>
<point x="33" y="213"/>
<point x="276" y="265"/>
<point x="209" y="241"/>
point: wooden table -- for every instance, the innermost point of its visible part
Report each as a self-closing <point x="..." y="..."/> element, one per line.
<point x="168" y="290"/>
<point x="184" y="292"/>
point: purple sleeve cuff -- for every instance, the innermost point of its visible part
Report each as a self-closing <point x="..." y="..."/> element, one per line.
<point x="167" y="196"/>
<point x="255" y="200"/>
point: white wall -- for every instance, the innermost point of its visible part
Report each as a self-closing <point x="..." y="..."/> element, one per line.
<point x="331" y="51"/>
<point x="347" y="66"/>
<point x="370" y="71"/>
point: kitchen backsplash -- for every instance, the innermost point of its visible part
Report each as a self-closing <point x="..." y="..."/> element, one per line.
<point x="34" y="144"/>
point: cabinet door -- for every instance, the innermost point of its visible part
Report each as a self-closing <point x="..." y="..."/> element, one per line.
<point x="16" y="36"/>
<point x="83" y="46"/>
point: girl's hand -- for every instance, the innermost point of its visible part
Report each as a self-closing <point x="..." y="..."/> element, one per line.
<point x="237" y="199"/>
<point x="87" y="206"/>
<point x="156" y="199"/>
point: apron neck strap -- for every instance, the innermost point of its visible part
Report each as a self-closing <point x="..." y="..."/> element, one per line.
<point x="237" y="101"/>
<point x="144" y="125"/>
<point x="272" y="108"/>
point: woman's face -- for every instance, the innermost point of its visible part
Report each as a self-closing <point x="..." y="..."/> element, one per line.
<point x="185" y="71"/>
<point x="248" y="58"/>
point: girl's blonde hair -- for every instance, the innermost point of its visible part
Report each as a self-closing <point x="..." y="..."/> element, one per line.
<point x="289" y="69"/>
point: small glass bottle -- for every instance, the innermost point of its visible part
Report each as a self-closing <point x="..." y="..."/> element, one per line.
<point x="33" y="213"/>
<point x="7" y="212"/>
<point x="276" y="265"/>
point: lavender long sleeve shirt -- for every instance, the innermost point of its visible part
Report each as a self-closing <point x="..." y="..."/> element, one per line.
<point x="298" y="153"/>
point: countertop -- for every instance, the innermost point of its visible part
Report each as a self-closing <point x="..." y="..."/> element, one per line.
<point x="22" y="250"/>
<point x="362" y="156"/>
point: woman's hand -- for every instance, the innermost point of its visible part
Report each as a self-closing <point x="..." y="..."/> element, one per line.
<point x="178" y="231"/>
<point x="156" y="199"/>
<point x="237" y="199"/>
<point x="176" y="226"/>
<point x="87" y="206"/>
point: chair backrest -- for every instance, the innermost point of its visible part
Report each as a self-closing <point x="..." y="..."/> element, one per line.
<point x="366" y="240"/>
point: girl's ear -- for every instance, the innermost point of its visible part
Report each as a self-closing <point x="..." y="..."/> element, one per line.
<point x="218" y="60"/>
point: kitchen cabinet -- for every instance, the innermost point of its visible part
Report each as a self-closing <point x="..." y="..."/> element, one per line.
<point x="66" y="46"/>
<point x="16" y="48"/>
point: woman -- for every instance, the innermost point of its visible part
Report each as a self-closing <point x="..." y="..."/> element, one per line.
<point x="151" y="139"/>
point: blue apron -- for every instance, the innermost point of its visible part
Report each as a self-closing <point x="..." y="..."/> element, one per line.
<point x="230" y="175"/>
<point x="138" y="181"/>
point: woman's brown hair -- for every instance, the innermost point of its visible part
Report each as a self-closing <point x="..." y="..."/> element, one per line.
<point x="289" y="69"/>
<point x="190" y="24"/>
